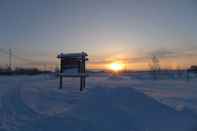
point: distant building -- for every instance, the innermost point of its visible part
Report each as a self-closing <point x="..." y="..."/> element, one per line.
<point x="193" y="68"/>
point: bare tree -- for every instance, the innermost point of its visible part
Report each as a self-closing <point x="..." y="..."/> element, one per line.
<point x="155" y="67"/>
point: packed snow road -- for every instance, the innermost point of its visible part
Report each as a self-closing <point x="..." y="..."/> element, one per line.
<point x="35" y="104"/>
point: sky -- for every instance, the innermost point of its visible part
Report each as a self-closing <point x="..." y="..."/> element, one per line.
<point x="131" y="31"/>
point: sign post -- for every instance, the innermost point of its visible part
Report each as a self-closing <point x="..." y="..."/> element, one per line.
<point x="73" y="65"/>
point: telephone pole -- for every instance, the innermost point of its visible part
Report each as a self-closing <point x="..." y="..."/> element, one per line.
<point x="10" y="59"/>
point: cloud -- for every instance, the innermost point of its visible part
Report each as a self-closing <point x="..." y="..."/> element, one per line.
<point x="173" y="53"/>
<point x="162" y="53"/>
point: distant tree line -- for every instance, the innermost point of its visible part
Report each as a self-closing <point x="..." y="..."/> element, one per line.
<point x="157" y="72"/>
<point x="22" y="71"/>
<point x="193" y="69"/>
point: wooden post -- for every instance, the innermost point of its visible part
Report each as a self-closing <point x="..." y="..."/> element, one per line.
<point x="82" y="72"/>
<point x="60" y="75"/>
<point x="81" y="83"/>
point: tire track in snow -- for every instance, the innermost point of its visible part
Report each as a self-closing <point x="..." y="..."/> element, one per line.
<point x="14" y="112"/>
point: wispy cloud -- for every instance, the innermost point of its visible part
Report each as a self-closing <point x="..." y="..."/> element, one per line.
<point x="173" y="53"/>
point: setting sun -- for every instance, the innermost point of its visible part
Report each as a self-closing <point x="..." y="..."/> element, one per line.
<point x="117" y="66"/>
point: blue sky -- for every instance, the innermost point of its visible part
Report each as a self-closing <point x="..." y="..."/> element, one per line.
<point x="39" y="29"/>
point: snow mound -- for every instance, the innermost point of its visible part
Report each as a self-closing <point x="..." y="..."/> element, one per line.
<point x="116" y="109"/>
<point x="117" y="78"/>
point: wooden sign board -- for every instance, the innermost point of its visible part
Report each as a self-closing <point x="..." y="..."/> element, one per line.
<point x="73" y="65"/>
<point x="70" y="67"/>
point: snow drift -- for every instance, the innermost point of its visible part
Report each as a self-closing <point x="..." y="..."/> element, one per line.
<point x="35" y="104"/>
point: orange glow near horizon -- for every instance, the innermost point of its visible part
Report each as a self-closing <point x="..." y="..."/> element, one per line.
<point x="116" y="66"/>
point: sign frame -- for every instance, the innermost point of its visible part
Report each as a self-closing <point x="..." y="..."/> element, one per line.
<point x="74" y="60"/>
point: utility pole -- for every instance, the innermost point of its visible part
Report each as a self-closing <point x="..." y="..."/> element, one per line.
<point x="10" y="59"/>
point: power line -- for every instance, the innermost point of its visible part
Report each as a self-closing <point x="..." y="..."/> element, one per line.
<point x="20" y="58"/>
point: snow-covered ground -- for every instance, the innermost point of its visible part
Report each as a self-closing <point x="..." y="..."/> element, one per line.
<point x="34" y="103"/>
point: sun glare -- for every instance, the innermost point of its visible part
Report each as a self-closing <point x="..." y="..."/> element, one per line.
<point x="116" y="66"/>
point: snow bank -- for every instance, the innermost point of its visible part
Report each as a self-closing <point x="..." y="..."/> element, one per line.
<point x="115" y="109"/>
<point x="35" y="104"/>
